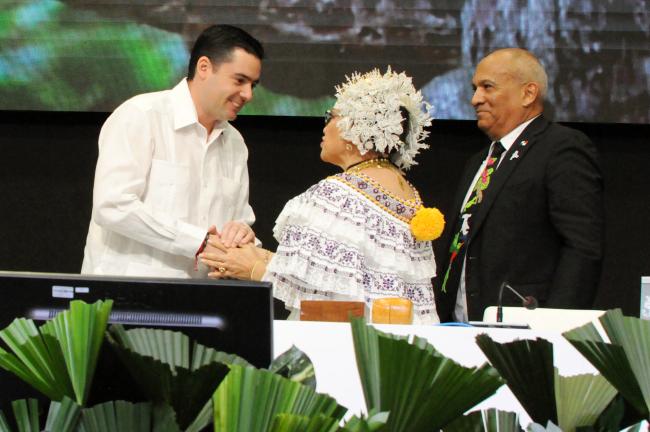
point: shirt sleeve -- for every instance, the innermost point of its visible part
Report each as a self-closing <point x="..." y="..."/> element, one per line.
<point x="125" y="157"/>
<point x="243" y="210"/>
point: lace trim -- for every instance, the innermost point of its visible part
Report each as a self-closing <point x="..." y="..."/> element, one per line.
<point x="403" y="210"/>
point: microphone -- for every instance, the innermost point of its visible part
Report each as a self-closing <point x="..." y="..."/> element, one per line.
<point x="529" y="302"/>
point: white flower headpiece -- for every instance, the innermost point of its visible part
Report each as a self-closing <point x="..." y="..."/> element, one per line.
<point x="368" y="107"/>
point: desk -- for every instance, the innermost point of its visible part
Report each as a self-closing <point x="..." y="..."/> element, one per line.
<point x="329" y="345"/>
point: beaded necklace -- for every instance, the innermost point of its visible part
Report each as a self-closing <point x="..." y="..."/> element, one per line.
<point x="379" y="163"/>
<point x="370" y="163"/>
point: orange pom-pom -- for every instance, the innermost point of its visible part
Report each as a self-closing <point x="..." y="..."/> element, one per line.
<point x="427" y="224"/>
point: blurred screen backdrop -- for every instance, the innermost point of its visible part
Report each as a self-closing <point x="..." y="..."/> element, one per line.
<point x="74" y="55"/>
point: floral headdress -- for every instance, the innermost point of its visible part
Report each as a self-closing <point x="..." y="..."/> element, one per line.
<point x="369" y="109"/>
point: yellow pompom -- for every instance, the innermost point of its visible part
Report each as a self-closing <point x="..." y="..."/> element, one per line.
<point x="427" y="224"/>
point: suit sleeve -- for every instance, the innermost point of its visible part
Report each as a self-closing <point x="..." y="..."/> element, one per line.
<point x="575" y="195"/>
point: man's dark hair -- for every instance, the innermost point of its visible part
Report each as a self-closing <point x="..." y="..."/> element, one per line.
<point x="217" y="42"/>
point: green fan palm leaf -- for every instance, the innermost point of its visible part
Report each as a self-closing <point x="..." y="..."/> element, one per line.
<point x="202" y="419"/>
<point x="639" y="427"/>
<point x="580" y="399"/>
<point x="297" y="423"/>
<point x="375" y="421"/>
<point x="422" y="389"/>
<point x="295" y="365"/>
<point x="36" y="359"/>
<point x="117" y="416"/>
<point x="527" y="367"/>
<point x="60" y="359"/>
<point x="633" y="335"/>
<point x="491" y="420"/>
<point x="171" y="369"/>
<point x="550" y="427"/>
<point x="625" y="361"/>
<point x="4" y="424"/>
<point x="164" y="420"/>
<point x="80" y="333"/>
<point x="63" y="416"/>
<point x="26" y="415"/>
<point x="249" y="399"/>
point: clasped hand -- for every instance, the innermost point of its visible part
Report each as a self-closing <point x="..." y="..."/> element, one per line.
<point x="233" y="253"/>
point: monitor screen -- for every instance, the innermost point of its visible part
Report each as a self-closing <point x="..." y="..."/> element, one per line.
<point x="230" y="316"/>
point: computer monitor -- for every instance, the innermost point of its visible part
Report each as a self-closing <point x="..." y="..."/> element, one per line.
<point x="230" y="316"/>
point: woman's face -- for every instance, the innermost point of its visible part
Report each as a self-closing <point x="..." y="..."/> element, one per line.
<point x="333" y="145"/>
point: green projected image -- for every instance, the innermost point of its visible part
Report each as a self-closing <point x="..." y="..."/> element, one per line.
<point x="53" y="57"/>
<point x="91" y="55"/>
<point x="56" y="57"/>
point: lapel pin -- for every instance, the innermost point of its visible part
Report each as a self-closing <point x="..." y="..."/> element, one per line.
<point x="514" y="155"/>
<point x="523" y="143"/>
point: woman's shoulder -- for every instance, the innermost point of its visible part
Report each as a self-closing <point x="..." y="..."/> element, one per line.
<point x="372" y="193"/>
<point x="333" y="188"/>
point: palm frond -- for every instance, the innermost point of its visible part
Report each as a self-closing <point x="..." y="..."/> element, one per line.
<point x="117" y="416"/>
<point x="35" y="359"/>
<point x="164" y="419"/>
<point x="80" y="334"/>
<point x="550" y="427"/>
<point x="422" y="389"/>
<point x="248" y="400"/>
<point x="4" y="424"/>
<point x="625" y="361"/>
<point x="642" y="426"/>
<point x="491" y="420"/>
<point x="580" y="399"/>
<point x="202" y="419"/>
<point x="63" y="416"/>
<point x="161" y="364"/>
<point x="375" y="421"/>
<point x="527" y="367"/>
<point x="26" y="415"/>
<point x="295" y="365"/>
<point x="59" y="360"/>
<point x="298" y="423"/>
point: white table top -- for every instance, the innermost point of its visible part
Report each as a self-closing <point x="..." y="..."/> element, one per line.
<point x="329" y="345"/>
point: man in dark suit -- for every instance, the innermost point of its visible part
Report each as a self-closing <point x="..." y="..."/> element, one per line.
<point x="529" y="208"/>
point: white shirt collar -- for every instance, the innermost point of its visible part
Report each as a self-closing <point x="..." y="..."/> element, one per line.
<point x="509" y="139"/>
<point x="185" y="110"/>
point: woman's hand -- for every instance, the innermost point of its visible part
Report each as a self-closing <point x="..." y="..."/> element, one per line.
<point x="236" y="263"/>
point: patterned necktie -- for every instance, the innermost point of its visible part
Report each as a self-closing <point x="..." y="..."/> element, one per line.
<point x="463" y="224"/>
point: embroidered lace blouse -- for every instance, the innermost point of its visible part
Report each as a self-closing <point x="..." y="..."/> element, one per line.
<point x="346" y="238"/>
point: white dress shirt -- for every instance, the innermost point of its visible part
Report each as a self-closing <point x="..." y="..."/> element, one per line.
<point x="160" y="182"/>
<point x="460" y="311"/>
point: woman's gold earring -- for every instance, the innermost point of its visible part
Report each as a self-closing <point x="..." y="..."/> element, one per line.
<point x="348" y="147"/>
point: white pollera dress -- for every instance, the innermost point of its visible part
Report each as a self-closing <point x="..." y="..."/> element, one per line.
<point x="346" y="238"/>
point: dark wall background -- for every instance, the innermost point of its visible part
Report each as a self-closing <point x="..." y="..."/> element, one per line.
<point x="48" y="162"/>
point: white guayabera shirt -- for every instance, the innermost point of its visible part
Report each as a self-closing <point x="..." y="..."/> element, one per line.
<point x="160" y="182"/>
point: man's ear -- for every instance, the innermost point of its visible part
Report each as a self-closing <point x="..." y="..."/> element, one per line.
<point x="203" y="66"/>
<point x="530" y="94"/>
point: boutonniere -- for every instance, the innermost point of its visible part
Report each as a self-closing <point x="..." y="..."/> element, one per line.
<point x="514" y="155"/>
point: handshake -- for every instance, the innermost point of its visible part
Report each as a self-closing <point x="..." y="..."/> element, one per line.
<point x="232" y="254"/>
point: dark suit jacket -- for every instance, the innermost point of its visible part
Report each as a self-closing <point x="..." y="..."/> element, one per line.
<point x="540" y="226"/>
